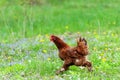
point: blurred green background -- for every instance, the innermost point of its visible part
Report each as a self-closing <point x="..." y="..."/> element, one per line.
<point x="28" y="18"/>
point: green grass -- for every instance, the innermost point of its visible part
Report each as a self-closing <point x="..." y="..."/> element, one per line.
<point x="27" y="53"/>
<point x="19" y="21"/>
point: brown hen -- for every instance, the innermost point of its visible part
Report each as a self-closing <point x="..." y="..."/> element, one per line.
<point x="72" y="55"/>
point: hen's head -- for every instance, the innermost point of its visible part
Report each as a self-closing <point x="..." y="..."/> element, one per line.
<point x="53" y="38"/>
<point x="58" y="42"/>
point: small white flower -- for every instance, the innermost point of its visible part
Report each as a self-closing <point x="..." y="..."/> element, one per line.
<point x="29" y="61"/>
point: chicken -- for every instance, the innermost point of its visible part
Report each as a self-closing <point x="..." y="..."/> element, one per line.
<point x="72" y="55"/>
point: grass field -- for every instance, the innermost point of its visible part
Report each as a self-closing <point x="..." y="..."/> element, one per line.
<point x="26" y="52"/>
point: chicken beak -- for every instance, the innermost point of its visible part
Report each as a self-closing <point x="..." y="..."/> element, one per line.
<point x="51" y="38"/>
